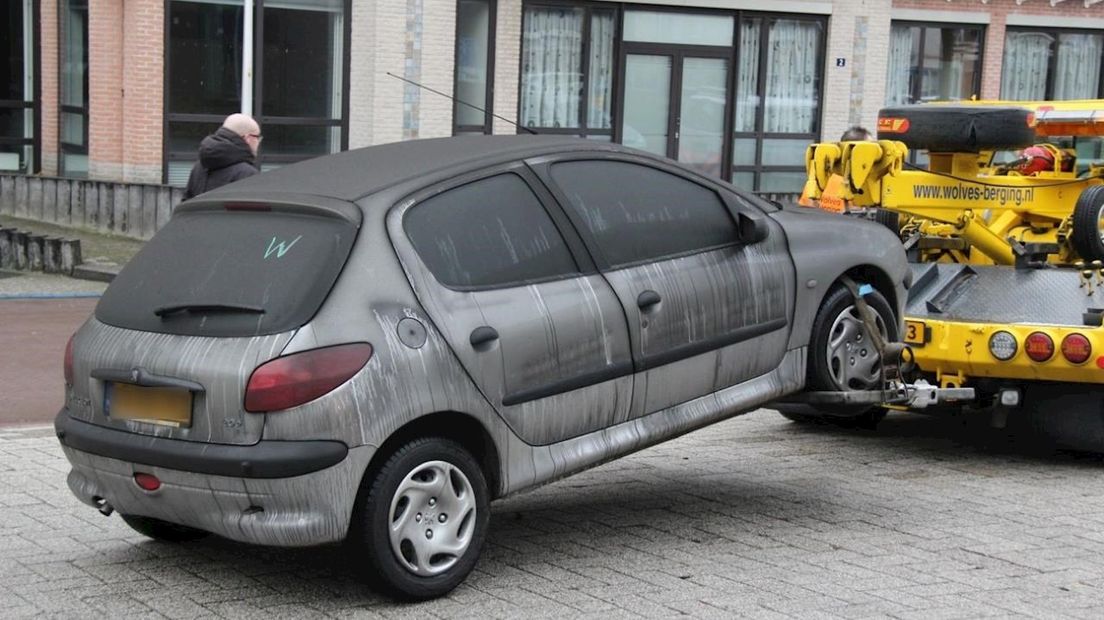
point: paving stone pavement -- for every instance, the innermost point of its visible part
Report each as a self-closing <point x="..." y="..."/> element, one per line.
<point x="756" y="517"/>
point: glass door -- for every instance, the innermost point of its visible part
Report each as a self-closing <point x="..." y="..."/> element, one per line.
<point x="674" y="104"/>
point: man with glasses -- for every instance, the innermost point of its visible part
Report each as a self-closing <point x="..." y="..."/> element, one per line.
<point x="228" y="155"/>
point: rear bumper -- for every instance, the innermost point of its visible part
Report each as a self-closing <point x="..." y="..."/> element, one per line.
<point x="264" y="459"/>
<point x="296" y="510"/>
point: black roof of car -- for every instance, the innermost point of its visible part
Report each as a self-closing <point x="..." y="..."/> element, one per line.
<point x="351" y="175"/>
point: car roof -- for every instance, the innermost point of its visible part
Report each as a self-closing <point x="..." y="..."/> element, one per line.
<point x="354" y="174"/>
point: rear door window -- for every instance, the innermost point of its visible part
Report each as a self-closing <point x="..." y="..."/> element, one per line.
<point x="489" y="233"/>
<point x="230" y="273"/>
<point x="637" y="213"/>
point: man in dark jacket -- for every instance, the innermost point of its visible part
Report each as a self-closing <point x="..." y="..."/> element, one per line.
<point x="225" y="156"/>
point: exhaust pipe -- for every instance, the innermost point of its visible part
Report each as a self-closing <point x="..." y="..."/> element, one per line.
<point x="101" y="504"/>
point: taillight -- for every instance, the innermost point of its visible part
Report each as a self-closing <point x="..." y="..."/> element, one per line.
<point x="69" y="361"/>
<point x="1039" y="346"/>
<point x="1076" y="349"/>
<point x="1003" y="346"/>
<point x="292" y="380"/>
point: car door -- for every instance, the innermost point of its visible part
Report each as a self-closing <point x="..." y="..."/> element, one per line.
<point x="540" y="332"/>
<point x="706" y="309"/>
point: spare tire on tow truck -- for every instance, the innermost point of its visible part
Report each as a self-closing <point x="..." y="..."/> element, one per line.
<point x="957" y="129"/>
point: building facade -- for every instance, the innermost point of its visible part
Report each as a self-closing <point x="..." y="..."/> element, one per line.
<point x="123" y="90"/>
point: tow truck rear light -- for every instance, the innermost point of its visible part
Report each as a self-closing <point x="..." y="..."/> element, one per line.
<point x="1039" y="346"/>
<point x="1002" y="345"/>
<point x="1076" y="349"/>
<point x="292" y="380"/>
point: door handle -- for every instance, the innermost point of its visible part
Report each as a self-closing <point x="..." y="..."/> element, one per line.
<point x="483" y="335"/>
<point x="647" y="299"/>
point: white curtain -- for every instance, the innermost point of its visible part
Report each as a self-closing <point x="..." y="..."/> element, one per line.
<point x="793" y="53"/>
<point x="1077" y="73"/>
<point x="551" y="67"/>
<point x="747" y="76"/>
<point x="600" y="80"/>
<point x="899" y="66"/>
<point x="1024" y="71"/>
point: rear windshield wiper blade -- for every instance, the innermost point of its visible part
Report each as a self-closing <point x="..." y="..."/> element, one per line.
<point x="164" y="311"/>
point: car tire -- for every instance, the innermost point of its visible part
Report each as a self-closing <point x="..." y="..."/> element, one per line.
<point x="831" y="366"/>
<point x="889" y="219"/>
<point x="431" y="483"/>
<point x="956" y="129"/>
<point x="1088" y="214"/>
<point x="163" y="530"/>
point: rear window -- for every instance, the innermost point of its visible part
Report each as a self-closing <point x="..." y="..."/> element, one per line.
<point x="229" y="273"/>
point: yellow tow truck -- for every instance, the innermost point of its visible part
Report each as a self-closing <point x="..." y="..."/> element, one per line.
<point x="1004" y="227"/>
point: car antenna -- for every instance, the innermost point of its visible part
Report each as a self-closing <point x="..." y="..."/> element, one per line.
<point x="501" y="118"/>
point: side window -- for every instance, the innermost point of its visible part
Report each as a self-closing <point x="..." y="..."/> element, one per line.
<point x="489" y="233"/>
<point x="638" y="213"/>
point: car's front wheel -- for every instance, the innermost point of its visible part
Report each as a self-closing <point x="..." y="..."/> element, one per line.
<point x="842" y="354"/>
<point x="422" y="519"/>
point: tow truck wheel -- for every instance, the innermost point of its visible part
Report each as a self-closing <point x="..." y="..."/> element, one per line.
<point x="1087" y="236"/>
<point x="842" y="355"/>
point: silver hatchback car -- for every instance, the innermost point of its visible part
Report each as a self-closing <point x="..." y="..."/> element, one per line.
<point x="370" y="347"/>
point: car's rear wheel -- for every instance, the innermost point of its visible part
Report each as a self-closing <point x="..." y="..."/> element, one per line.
<point x="956" y="129"/>
<point x="163" y="530"/>
<point x="422" y="519"/>
<point x="843" y="356"/>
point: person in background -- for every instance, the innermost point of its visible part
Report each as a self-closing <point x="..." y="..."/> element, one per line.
<point x="228" y="155"/>
<point x="831" y="199"/>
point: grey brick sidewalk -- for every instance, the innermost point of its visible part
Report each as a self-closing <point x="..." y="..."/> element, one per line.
<point x="756" y="517"/>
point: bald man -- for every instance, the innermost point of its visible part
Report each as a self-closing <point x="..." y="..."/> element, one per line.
<point x="228" y="155"/>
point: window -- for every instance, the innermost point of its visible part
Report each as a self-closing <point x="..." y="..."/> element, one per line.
<point x="298" y="88"/>
<point x="18" y="152"/>
<point x="73" y="112"/>
<point x="637" y="213"/>
<point x="489" y="233"/>
<point x="777" y="111"/>
<point x="567" y="68"/>
<point x="475" y="34"/>
<point x="928" y="63"/>
<point x="1051" y="64"/>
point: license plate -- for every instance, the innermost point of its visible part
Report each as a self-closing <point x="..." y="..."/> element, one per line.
<point x="156" y="405"/>
<point x="916" y="332"/>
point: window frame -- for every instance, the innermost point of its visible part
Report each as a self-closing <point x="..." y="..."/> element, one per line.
<point x="34" y="103"/>
<point x="487" y="127"/>
<point x="758" y="135"/>
<point x="1052" y="60"/>
<point x="982" y="30"/>
<point x="727" y="196"/>
<point x="572" y="243"/>
<point x="168" y="155"/>
<point x="68" y="148"/>
<point x="584" y="130"/>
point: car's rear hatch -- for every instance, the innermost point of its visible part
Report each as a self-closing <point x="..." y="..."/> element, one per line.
<point x="218" y="291"/>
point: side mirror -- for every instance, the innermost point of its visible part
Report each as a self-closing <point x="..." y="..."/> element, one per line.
<point x="752" y="229"/>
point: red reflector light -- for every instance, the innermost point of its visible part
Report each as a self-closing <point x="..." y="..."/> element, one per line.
<point x="148" y="482"/>
<point x="68" y="363"/>
<point x="1039" y="347"/>
<point x="290" y="381"/>
<point x="1076" y="349"/>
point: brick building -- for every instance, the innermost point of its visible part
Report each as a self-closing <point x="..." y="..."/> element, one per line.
<point x="124" y="89"/>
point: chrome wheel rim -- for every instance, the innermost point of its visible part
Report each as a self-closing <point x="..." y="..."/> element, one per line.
<point x="852" y="358"/>
<point x="432" y="518"/>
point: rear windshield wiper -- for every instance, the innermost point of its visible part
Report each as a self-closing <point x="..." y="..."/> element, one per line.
<point x="164" y="311"/>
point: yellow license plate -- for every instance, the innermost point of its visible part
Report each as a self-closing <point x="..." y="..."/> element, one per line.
<point x="916" y="332"/>
<point x="157" y="405"/>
